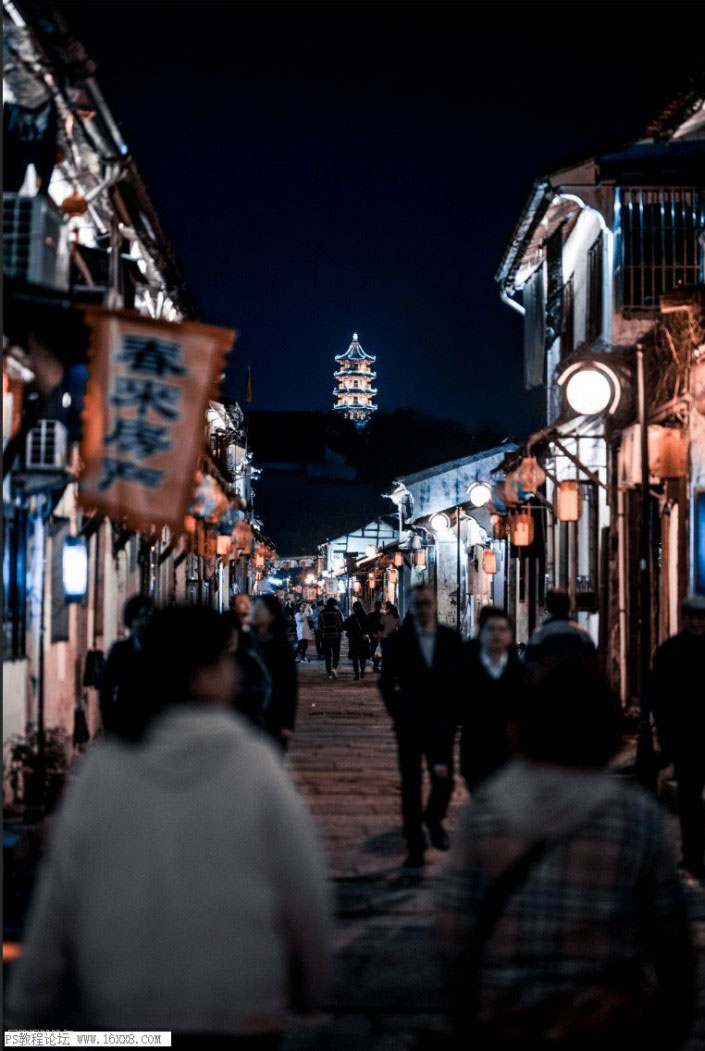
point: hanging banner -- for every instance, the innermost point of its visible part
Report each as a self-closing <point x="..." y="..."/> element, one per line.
<point x="144" y="417"/>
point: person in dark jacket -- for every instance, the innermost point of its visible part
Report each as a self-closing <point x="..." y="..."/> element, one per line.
<point x="331" y="628"/>
<point x="560" y="637"/>
<point x="492" y="686"/>
<point x="269" y="622"/>
<point x="679" y="710"/>
<point x="254" y="685"/>
<point x="358" y="632"/>
<point x="374" y="621"/>
<point x="419" y="684"/>
<point x="122" y="683"/>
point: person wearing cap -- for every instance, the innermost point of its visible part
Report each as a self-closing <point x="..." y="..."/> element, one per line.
<point x="678" y="702"/>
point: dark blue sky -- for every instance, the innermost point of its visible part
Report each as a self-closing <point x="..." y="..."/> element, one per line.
<point x="322" y="172"/>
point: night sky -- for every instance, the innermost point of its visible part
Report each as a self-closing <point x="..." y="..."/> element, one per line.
<point x="321" y="172"/>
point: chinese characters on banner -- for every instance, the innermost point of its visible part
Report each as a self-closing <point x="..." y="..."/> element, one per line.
<point x="144" y="418"/>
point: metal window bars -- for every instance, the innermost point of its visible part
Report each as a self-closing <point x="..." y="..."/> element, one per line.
<point x="660" y="244"/>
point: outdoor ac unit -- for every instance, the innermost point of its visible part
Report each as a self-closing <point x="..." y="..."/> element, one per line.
<point x="668" y="454"/>
<point x="35" y="247"/>
<point x="46" y="447"/>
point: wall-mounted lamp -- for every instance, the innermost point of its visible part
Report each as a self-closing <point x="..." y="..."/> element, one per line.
<point x="479" y="493"/>
<point x="75" y="568"/>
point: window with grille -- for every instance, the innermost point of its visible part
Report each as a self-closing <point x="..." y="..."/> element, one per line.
<point x="594" y="322"/>
<point x="660" y="246"/>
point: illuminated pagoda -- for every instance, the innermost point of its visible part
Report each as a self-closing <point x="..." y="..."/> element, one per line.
<point x="355" y="392"/>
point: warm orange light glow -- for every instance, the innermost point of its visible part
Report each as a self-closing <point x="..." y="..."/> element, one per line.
<point x="222" y="545"/>
<point x="398" y="558"/>
<point x="357" y="586"/>
<point x="11" y="951"/>
<point x="489" y="561"/>
<point x="521" y="528"/>
<point x="393" y="576"/>
<point x="568" y="501"/>
<point x="420" y="558"/>
<point x="530" y="475"/>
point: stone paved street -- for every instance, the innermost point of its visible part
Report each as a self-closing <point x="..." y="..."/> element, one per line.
<point x="387" y="994"/>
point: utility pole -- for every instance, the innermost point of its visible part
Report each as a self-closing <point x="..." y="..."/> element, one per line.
<point x="645" y="743"/>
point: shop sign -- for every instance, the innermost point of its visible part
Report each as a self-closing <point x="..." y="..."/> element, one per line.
<point x="144" y="419"/>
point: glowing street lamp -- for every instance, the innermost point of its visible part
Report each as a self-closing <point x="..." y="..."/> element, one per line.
<point x="591" y="387"/>
<point x="75" y="568"/>
<point x="440" y="522"/>
<point x="479" y="494"/>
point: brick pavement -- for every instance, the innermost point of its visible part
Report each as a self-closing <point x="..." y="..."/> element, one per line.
<point x="387" y="994"/>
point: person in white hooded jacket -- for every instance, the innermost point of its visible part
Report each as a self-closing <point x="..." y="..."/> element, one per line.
<point x="184" y="888"/>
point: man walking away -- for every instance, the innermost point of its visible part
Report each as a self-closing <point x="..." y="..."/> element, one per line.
<point x="678" y="700"/>
<point x="358" y="632"/>
<point x="419" y="684"/>
<point x="559" y="637"/>
<point x="492" y="687"/>
<point x="374" y="621"/>
<point x="331" y="627"/>
<point x="122" y="682"/>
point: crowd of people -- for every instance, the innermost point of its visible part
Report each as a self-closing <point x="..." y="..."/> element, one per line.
<point x="186" y="888"/>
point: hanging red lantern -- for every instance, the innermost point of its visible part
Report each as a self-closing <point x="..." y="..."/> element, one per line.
<point x="398" y="559"/>
<point x="420" y="558"/>
<point x="222" y="545"/>
<point x="74" y="205"/>
<point x="357" y="586"/>
<point x="530" y="475"/>
<point x="521" y="528"/>
<point x="489" y="561"/>
<point x="568" y="501"/>
<point x="243" y="537"/>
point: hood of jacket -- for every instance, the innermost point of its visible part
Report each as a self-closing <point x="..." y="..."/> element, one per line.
<point x="540" y="799"/>
<point x="186" y="745"/>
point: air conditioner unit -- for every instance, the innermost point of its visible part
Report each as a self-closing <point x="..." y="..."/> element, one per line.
<point x="46" y="447"/>
<point x="668" y="454"/>
<point x="35" y="246"/>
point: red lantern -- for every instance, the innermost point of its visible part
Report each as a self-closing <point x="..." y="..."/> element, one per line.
<point x="420" y="558"/>
<point x="222" y="545"/>
<point x="530" y="476"/>
<point x="489" y="561"/>
<point x="357" y="586"/>
<point x="568" y="501"/>
<point x="398" y="559"/>
<point x="521" y="528"/>
<point x="74" y="205"/>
